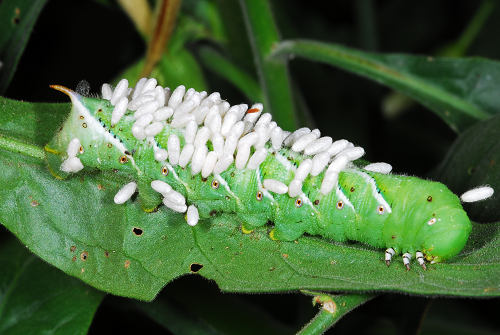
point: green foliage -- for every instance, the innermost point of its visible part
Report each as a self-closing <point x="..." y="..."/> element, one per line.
<point x="37" y="298"/>
<point x="231" y="46"/>
<point x="461" y="94"/>
<point x="17" y="19"/>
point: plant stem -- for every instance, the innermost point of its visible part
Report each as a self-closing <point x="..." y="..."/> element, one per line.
<point x="273" y="73"/>
<point x="333" y="308"/>
<point x="385" y="70"/>
<point x="219" y="64"/>
<point x="319" y="324"/>
<point x="166" y="15"/>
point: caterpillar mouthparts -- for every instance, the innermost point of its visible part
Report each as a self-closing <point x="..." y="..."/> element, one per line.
<point x="198" y="155"/>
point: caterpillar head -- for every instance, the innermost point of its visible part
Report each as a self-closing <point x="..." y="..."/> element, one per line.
<point x="444" y="225"/>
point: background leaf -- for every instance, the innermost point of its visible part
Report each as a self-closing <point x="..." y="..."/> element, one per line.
<point x="53" y="303"/>
<point x="460" y="91"/>
<point x="17" y="19"/>
<point x="473" y="161"/>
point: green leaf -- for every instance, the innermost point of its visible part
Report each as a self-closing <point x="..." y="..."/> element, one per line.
<point x="17" y="18"/>
<point x="31" y="123"/>
<point x="222" y="66"/>
<point x="474" y="160"/>
<point x="462" y="91"/>
<point x="206" y="12"/>
<point x="36" y="298"/>
<point x="234" y="28"/>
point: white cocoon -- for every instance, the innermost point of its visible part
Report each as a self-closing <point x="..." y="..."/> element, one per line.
<point x="477" y="194"/>
<point x="192" y="216"/>
<point x="125" y="193"/>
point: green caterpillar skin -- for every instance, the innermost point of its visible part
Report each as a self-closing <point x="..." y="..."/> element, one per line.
<point x="382" y="210"/>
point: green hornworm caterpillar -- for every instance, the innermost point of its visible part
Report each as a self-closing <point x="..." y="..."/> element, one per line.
<point x="197" y="154"/>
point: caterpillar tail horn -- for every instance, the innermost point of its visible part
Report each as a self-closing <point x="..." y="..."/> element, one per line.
<point x="56" y="149"/>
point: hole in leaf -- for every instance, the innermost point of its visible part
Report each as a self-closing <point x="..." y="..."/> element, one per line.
<point x="195" y="267"/>
<point x="106" y="253"/>
<point x="84" y="256"/>
<point x="137" y="231"/>
<point x="73" y="248"/>
<point x="34" y="203"/>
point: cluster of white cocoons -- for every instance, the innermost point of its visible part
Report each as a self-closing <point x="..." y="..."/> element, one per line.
<point x="72" y="163"/>
<point x="200" y="117"/>
<point x="171" y="198"/>
<point x="231" y="129"/>
<point x="335" y="156"/>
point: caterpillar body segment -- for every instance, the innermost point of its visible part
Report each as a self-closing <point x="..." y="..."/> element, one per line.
<point x="197" y="152"/>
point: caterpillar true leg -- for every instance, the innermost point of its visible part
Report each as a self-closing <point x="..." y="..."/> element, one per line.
<point x="420" y="259"/>
<point x="406" y="260"/>
<point x="388" y="255"/>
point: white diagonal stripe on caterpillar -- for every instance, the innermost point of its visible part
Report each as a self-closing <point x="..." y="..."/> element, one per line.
<point x="375" y="193"/>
